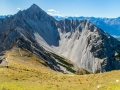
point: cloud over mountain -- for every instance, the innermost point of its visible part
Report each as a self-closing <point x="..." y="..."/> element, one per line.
<point x="53" y="12"/>
<point x="19" y="8"/>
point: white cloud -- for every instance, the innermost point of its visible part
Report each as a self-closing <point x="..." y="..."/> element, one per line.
<point x="18" y="8"/>
<point x="76" y="15"/>
<point x="53" y="12"/>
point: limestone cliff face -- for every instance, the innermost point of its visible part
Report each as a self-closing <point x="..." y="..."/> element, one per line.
<point x="88" y="46"/>
<point x="80" y="41"/>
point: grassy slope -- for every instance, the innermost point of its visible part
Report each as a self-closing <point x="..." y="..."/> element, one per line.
<point x="28" y="72"/>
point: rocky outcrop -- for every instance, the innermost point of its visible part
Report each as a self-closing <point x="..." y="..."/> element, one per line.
<point x="88" y="46"/>
<point x="80" y="41"/>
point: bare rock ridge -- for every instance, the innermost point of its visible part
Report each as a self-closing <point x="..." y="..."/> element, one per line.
<point x="18" y="30"/>
<point x="88" y="46"/>
<point x="80" y="41"/>
<point x="110" y="25"/>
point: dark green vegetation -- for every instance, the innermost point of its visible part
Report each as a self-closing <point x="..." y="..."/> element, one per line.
<point x="69" y="66"/>
<point x="65" y="63"/>
<point x="62" y="60"/>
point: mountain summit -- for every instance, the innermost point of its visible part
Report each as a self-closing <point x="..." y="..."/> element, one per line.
<point x="34" y="12"/>
<point x="34" y="6"/>
<point x="85" y="45"/>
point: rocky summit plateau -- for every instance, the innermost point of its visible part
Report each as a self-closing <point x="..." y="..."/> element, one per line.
<point x="66" y="46"/>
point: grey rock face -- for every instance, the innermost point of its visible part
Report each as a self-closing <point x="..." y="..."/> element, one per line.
<point x="15" y="31"/>
<point x="88" y="46"/>
<point x="80" y="41"/>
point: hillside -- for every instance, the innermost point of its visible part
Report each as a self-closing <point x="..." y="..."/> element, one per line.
<point x="28" y="72"/>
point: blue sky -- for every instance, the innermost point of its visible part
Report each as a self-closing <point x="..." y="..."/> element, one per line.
<point x="96" y="8"/>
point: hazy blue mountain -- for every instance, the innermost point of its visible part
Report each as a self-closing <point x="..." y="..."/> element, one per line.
<point x="3" y="16"/>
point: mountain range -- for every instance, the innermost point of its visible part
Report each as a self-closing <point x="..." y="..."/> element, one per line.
<point x="109" y="25"/>
<point x="66" y="45"/>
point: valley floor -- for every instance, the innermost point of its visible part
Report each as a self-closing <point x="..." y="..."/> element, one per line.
<point x="25" y="71"/>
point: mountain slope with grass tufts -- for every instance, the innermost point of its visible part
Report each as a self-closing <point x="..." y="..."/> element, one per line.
<point x="26" y="71"/>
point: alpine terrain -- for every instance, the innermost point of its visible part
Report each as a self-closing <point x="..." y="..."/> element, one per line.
<point x="66" y="46"/>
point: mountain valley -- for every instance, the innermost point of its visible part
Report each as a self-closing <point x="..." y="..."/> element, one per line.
<point x="40" y="52"/>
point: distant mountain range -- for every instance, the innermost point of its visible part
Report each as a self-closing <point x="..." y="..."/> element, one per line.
<point x="67" y="45"/>
<point x="109" y="25"/>
<point x="3" y="16"/>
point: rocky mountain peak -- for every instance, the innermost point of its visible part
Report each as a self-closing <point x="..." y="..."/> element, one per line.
<point x="35" y="9"/>
<point x="80" y="41"/>
<point x="34" y="6"/>
<point x="34" y="13"/>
